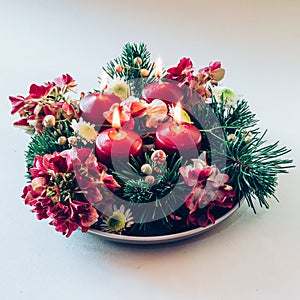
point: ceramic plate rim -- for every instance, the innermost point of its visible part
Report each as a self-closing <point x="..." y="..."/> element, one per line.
<point x="163" y="238"/>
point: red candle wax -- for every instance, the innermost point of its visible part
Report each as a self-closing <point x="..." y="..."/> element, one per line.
<point x="94" y="105"/>
<point x="167" y="91"/>
<point x="183" y="139"/>
<point x="117" y="145"/>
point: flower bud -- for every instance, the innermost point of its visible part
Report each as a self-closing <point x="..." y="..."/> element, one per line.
<point x="150" y="179"/>
<point x="144" y="72"/>
<point x="248" y="137"/>
<point x="119" y="69"/>
<point x="72" y="140"/>
<point x="49" y="121"/>
<point x="138" y="61"/>
<point x="161" y="160"/>
<point x="157" y="169"/>
<point x="231" y="137"/>
<point x="146" y="169"/>
<point x="158" y="155"/>
<point x="62" y="140"/>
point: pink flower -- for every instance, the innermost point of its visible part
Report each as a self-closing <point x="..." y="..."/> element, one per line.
<point x="109" y="181"/>
<point x="211" y="67"/>
<point x="182" y="71"/>
<point x="65" y="81"/>
<point x="212" y="72"/>
<point x="191" y="173"/>
<point x="40" y="91"/>
<point x="67" y="187"/>
<point x="84" y="213"/>
<point x="47" y="99"/>
<point x="209" y="189"/>
<point x="61" y="219"/>
<point x="17" y="103"/>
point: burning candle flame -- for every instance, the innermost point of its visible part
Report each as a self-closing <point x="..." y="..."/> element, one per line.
<point x="177" y="113"/>
<point x="158" y="70"/>
<point x="116" y="122"/>
<point x="104" y="82"/>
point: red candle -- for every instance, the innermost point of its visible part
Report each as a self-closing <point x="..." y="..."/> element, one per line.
<point x="94" y="105"/>
<point x="167" y="91"/>
<point x="183" y="139"/>
<point x="116" y="145"/>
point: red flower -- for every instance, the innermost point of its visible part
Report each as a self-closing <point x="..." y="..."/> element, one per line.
<point x="67" y="219"/>
<point x="209" y="189"/>
<point x="211" y="72"/>
<point x="17" y="103"/>
<point x="183" y="70"/>
<point x="62" y="221"/>
<point x="211" y="67"/>
<point x="84" y="213"/>
<point x="67" y="187"/>
<point x="65" y="80"/>
<point x="47" y="99"/>
<point x="40" y="91"/>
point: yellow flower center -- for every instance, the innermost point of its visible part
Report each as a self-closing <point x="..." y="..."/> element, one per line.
<point x="120" y="90"/>
<point x="116" y="222"/>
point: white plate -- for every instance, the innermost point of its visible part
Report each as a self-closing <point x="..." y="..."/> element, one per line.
<point x="163" y="238"/>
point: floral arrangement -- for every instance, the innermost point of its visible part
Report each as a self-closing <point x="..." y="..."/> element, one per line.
<point x="153" y="151"/>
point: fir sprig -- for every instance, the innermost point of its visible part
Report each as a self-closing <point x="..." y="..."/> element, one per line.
<point x="252" y="165"/>
<point x="131" y="69"/>
<point x="137" y="191"/>
<point x="166" y="194"/>
<point x="253" y="168"/>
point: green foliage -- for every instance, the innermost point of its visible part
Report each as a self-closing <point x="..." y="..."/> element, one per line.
<point x="137" y="191"/>
<point x="131" y="69"/>
<point x="169" y="179"/>
<point x="166" y="194"/>
<point x="253" y="167"/>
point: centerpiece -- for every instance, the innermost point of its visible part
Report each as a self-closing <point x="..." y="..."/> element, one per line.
<point x="153" y="152"/>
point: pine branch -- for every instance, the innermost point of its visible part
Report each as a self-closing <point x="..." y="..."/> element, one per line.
<point x="137" y="191"/>
<point x="253" y="168"/>
<point x="131" y="69"/>
<point x="166" y="194"/>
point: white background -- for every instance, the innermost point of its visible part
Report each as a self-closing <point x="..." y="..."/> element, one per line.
<point x="249" y="256"/>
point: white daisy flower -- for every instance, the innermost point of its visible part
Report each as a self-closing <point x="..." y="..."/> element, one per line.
<point x="118" y="221"/>
<point x="85" y="130"/>
<point x="120" y="88"/>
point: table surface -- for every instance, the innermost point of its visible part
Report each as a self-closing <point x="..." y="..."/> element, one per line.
<point x="249" y="256"/>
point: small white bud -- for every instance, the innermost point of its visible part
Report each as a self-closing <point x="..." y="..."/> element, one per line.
<point x="146" y="169"/>
<point x="72" y="140"/>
